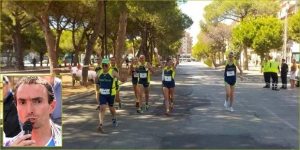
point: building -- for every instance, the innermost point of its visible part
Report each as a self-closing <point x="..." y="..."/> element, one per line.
<point x="186" y="44"/>
<point x="288" y="8"/>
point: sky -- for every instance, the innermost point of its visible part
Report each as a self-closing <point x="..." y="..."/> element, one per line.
<point x="194" y="9"/>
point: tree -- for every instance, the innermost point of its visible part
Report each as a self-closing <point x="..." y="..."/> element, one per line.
<point x="261" y="34"/>
<point x="294" y="28"/>
<point x="40" y="12"/>
<point x="91" y="41"/>
<point x="36" y="40"/>
<point x="15" y="21"/>
<point x="220" y="10"/>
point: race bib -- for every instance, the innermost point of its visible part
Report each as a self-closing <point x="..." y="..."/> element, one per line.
<point x="143" y="75"/>
<point x="230" y="73"/>
<point x="116" y="79"/>
<point x="168" y="78"/>
<point x="104" y="91"/>
<point x="136" y="75"/>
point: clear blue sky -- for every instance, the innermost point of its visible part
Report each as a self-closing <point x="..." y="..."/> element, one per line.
<point x="194" y="9"/>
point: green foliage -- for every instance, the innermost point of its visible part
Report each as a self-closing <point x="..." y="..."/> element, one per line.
<point x="237" y="10"/>
<point x="201" y="50"/>
<point x="294" y="28"/>
<point x="262" y="34"/>
<point x="35" y="39"/>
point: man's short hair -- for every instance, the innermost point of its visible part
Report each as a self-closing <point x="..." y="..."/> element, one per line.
<point x="36" y="80"/>
<point x="283" y="59"/>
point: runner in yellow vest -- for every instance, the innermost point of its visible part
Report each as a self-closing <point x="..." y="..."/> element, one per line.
<point x="274" y="69"/>
<point x="114" y="66"/>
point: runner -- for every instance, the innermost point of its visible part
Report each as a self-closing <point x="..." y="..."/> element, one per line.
<point x="106" y="86"/>
<point x="143" y="70"/>
<point x="134" y="75"/>
<point x="230" y="78"/>
<point x="114" y="66"/>
<point x="168" y="81"/>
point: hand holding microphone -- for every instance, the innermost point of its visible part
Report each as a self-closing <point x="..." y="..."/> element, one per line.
<point x="24" y="140"/>
<point x="27" y="127"/>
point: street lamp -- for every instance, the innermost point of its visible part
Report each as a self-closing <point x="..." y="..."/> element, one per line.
<point x="285" y="31"/>
<point x="105" y="35"/>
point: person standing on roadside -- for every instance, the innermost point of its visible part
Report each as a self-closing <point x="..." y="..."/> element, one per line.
<point x="267" y="75"/>
<point x="293" y="74"/>
<point x="274" y="69"/>
<point x="283" y="74"/>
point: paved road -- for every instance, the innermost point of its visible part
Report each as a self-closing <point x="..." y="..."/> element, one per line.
<point x="262" y="118"/>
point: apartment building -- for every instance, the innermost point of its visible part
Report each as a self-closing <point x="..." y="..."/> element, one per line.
<point x="186" y="44"/>
<point x="288" y="8"/>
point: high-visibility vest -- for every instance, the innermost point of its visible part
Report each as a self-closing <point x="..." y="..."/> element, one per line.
<point x="266" y="66"/>
<point x="274" y="67"/>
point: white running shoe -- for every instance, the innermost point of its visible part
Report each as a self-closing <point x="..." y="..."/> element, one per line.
<point x="231" y="109"/>
<point x="225" y="104"/>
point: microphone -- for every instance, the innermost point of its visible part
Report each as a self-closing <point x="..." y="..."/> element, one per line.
<point x="27" y="127"/>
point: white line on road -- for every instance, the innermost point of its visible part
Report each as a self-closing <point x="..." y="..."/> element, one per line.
<point x="285" y="122"/>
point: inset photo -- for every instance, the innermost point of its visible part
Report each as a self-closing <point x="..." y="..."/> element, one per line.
<point x="32" y="110"/>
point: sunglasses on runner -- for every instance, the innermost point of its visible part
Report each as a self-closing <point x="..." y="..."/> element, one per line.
<point x="104" y="65"/>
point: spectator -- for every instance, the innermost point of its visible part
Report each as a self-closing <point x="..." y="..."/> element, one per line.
<point x="11" y="120"/>
<point x="34" y="62"/>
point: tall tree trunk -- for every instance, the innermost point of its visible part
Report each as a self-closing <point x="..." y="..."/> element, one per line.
<point x="17" y="44"/>
<point x="245" y="58"/>
<point x="133" y="50"/>
<point x="17" y="49"/>
<point x="48" y="35"/>
<point x="92" y="40"/>
<point x="143" y="48"/>
<point x="121" y="37"/>
<point x="57" y="41"/>
<point x="76" y="47"/>
<point x="43" y="20"/>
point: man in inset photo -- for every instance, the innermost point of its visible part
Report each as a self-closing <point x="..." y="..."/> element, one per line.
<point x="34" y="100"/>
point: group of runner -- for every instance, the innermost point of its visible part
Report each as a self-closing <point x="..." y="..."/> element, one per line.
<point x="107" y="84"/>
<point x="108" y="77"/>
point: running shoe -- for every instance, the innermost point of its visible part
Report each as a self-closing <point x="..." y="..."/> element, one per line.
<point x="136" y="103"/>
<point x="231" y="109"/>
<point x="168" y="113"/>
<point x="115" y="122"/>
<point x="225" y="104"/>
<point x="139" y="110"/>
<point x="100" y="129"/>
<point x="120" y="105"/>
<point x="172" y="106"/>
<point x="147" y="107"/>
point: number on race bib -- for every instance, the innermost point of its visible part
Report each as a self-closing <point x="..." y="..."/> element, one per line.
<point x="104" y="91"/>
<point x="230" y="73"/>
<point x="143" y="75"/>
<point x="168" y="78"/>
<point x="136" y="75"/>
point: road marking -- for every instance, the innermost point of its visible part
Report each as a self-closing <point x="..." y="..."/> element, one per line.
<point x="285" y="122"/>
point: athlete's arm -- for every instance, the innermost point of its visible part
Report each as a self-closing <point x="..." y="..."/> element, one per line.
<point x="240" y="69"/>
<point x="177" y="61"/>
<point x="218" y="65"/>
<point x="88" y="83"/>
<point x="115" y="74"/>
<point x="130" y="70"/>
<point x="150" y="68"/>
<point x="124" y="59"/>
<point x="157" y="58"/>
